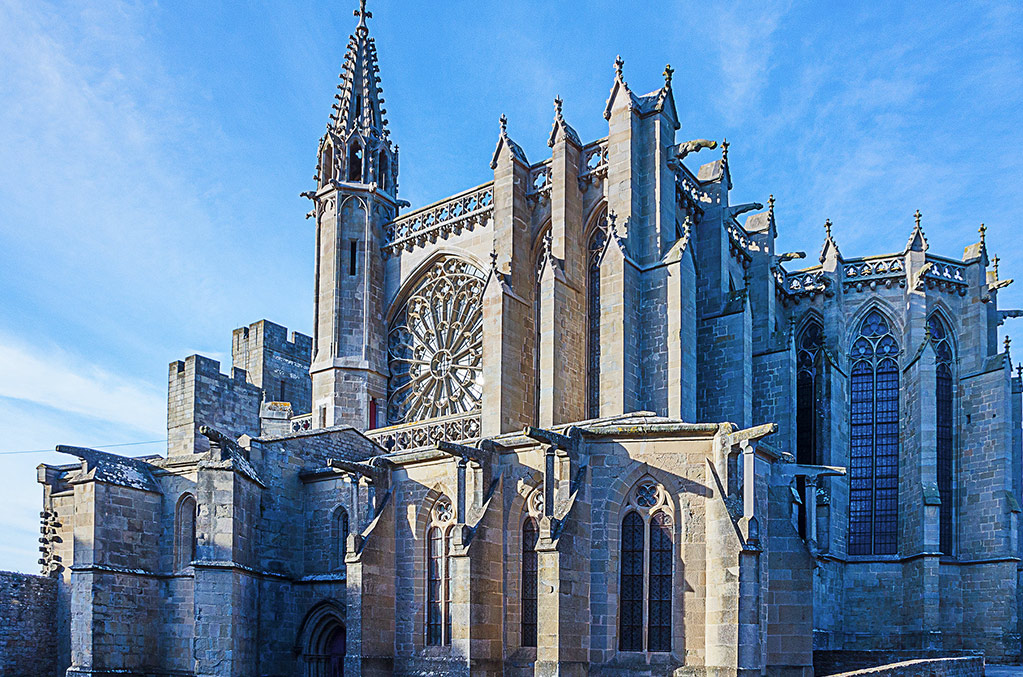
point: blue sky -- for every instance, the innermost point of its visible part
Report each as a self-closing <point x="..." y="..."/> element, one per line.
<point x="152" y="156"/>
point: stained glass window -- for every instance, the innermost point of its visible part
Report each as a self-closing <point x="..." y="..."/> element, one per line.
<point x="874" y="433"/>
<point x="941" y="341"/>
<point x="340" y="537"/>
<point x="530" y="534"/>
<point x="632" y="583"/>
<point x="808" y="347"/>
<point x="595" y="248"/>
<point x="439" y="538"/>
<point x="646" y="572"/>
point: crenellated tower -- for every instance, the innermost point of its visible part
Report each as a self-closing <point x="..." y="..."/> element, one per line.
<point x="356" y="193"/>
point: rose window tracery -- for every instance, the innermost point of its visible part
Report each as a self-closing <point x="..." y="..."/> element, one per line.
<point x="435" y="343"/>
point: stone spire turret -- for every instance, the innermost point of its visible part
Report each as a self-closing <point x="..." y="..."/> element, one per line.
<point x="357" y="147"/>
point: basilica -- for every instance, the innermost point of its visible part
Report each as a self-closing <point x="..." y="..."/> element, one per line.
<point x="582" y="419"/>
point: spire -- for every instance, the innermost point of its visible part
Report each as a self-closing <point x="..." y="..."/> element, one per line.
<point x="564" y="127"/>
<point x="619" y="86"/>
<point x="503" y="141"/>
<point x="917" y="240"/>
<point x="830" y="247"/>
<point x="359" y="102"/>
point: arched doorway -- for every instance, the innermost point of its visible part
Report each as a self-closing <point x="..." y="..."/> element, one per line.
<point x="325" y="645"/>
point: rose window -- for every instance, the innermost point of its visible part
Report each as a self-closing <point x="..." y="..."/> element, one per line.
<point x="434" y="345"/>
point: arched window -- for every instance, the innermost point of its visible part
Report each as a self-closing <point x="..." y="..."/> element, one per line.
<point x="438" y="574"/>
<point x="339" y="537"/>
<point x="808" y="347"/>
<point x="355" y="162"/>
<point x="530" y="536"/>
<point x="538" y="376"/>
<point x="646" y="571"/>
<point x="382" y="170"/>
<point x="326" y="165"/>
<point x="874" y="432"/>
<point x="433" y="372"/>
<point x="594" y="248"/>
<point x="941" y="341"/>
<point x="184" y="532"/>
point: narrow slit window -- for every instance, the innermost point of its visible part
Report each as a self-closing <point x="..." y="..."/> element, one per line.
<point x="352" y="254"/>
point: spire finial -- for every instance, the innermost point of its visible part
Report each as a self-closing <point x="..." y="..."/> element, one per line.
<point x="668" y="71"/>
<point x="917" y="216"/>
<point x="724" y="149"/>
<point x="363" y="15"/>
<point x="1019" y="371"/>
<point x="557" y="106"/>
<point x="770" y="203"/>
<point x="827" y="228"/>
<point x="1007" y="342"/>
<point x="983" y="234"/>
<point x="994" y="263"/>
<point x="619" y="62"/>
<point x="504" y="125"/>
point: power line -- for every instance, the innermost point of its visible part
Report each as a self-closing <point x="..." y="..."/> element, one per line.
<point x="97" y="446"/>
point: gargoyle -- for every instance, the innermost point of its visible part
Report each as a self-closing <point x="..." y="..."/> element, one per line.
<point x="791" y="256"/>
<point x="694" y="146"/>
<point x="742" y="209"/>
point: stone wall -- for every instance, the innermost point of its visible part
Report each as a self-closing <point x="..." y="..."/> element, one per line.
<point x="28" y="644"/>
<point x="275" y="363"/>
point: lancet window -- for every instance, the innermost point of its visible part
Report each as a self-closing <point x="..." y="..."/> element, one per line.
<point x="808" y="348"/>
<point x="438" y="573"/>
<point x="941" y="341"/>
<point x="184" y="528"/>
<point x="595" y="249"/>
<point x="339" y="537"/>
<point x="355" y="162"/>
<point x="874" y="431"/>
<point x="530" y="567"/>
<point x="435" y="343"/>
<point x="647" y="547"/>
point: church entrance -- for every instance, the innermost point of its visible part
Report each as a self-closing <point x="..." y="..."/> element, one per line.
<point x="325" y="643"/>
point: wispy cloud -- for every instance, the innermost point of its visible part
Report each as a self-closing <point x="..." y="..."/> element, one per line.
<point x="57" y="379"/>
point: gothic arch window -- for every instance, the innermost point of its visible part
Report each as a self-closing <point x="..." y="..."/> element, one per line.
<point x="542" y="250"/>
<point x="184" y="532"/>
<point x="530" y="568"/>
<point x="647" y="548"/>
<point x="438" y="573"/>
<point x="382" y="170"/>
<point x="808" y="347"/>
<point x="326" y="165"/>
<point x="435" y="343"/>
<point x="355" y="162"/>
<point x="594" y="249"/>
<point x="874" y="432"/>
<point x="944" y="352"/>
<point x="339" y="537"/>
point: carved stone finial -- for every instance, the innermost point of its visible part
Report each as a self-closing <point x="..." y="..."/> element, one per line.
<point x="668" y="71"/>
<point x="363" y="15"/>
<point x="827" y="228"/>
<point x="619" y="63"/>
<point x="994" y="264"/>
<point x="770" y="203"/>
<point x="557" y="106"/>
<point x="504" y="124"/>
<point x="724" y="149"/>
<point x="983" y="234"/>
<point x="917" y="216"/>
<point x="1019" y="371"/>
<point x="493" y="257"/>
<point x="1007" y="342"/>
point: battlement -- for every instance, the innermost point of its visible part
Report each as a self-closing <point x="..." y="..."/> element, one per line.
<point x="275" y="362"/>
<point x="198" y="394"/>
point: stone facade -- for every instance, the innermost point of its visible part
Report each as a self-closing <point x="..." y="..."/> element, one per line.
<point x="580" y="419"/>
<point x="28" y="644"/>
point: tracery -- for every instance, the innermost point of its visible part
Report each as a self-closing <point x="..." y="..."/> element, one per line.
<point x="434" y="345"/>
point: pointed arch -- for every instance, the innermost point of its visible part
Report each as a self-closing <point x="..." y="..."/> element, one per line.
<point x="809" y="344"/>
<point x="355" y="161"/>
<point x="382" y="170"/>
<point x="943" y="343"/>
<point x="530" y="571"/>
<point x="321" y="642"/>
<point x="595" y="240"/>
<point x="874" y="436"/>
<point x="339" y="530"/>
<point x="326" y="163"/>
<point x="184" y="531"/>
<point x="540" y="248"/>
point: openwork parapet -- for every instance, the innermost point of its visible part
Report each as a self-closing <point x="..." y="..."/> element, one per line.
<point x="458" y="428"/>
<point x="594" y="162"/>
<point x="464" y="211"/>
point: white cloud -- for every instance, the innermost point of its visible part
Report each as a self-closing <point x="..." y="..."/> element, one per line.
<point x="54" y="378"/>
